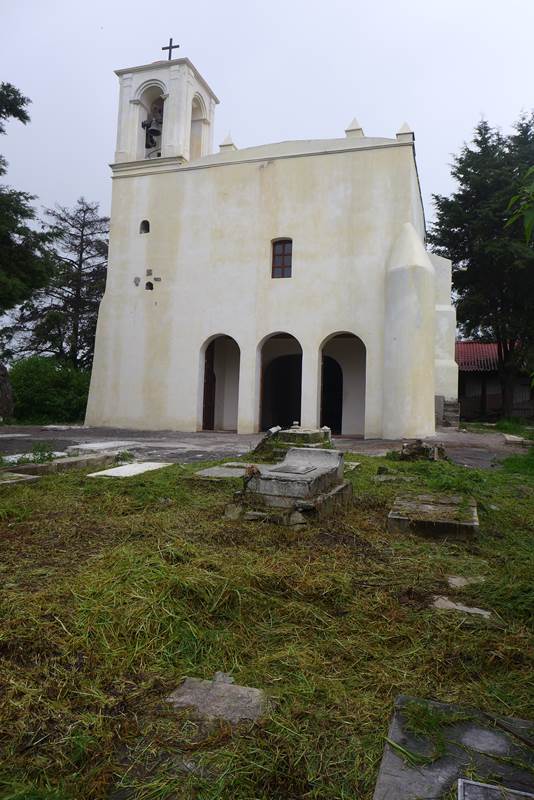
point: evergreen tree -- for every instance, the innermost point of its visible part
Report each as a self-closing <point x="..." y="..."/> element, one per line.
<point x="493" y="265"/>
<point x="24" y="264"/>
<point x="60" y="319"/>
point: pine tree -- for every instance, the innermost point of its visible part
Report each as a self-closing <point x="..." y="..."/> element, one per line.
<point x="60" y="320"/>
<point x="24" y="263"/>
<point x="493" y="265"/>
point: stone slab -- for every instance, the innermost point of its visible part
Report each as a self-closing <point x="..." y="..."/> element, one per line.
<point x="15" y="457"/>
<point x="220" y="698"/>
<point x="130" y="470"/>
<point x="472" y="790"/>
<point x="96" y="447"/>
<point x="65" y="464"/>
<point x="459" y="582"/>
<point x="444" y="604"/>
<point x="221" y="473"/>
<point x="492" y="747"/>
<point x="14" y="435"/>
<point x="434" y="514"/>
<point x="13" y="477"/>
<point x="512" y="439"/>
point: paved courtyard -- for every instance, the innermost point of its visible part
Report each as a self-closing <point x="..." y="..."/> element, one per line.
<point x="471" y="449"/>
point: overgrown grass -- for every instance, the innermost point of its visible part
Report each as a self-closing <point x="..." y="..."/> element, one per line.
<point x="116" y="590"/>
<point x="517" y="426"/>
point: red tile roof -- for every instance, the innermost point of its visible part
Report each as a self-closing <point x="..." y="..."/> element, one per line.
<point x="477" y="356"/>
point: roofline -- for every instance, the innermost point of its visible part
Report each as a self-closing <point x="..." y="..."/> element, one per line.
<point x="174" y="61"/>
<point x="169" y="164"/>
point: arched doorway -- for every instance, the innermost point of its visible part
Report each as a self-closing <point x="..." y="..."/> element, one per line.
<point x="281" y="381"/>
<point x="343" y="384"/>
<point x="332" y="395"/>
<point x="221" y="384"/>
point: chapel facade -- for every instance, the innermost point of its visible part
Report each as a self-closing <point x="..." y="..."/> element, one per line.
<point x="261" y="286"/>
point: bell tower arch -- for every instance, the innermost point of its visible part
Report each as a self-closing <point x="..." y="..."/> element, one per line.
<point x="166" y="110"/>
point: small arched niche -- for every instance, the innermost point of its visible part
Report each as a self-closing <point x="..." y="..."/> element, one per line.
<point x="144" y="227"/>
<point x="152" y="102"/>
<point x="199" y="120"/>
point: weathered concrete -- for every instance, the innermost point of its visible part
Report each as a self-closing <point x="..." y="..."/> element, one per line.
<point x="130" y="470"/>
<point x="444" y="604"/>
<point x="220" y="698"/>
<point x="434" y="514"/>
<point x="472" y="790"/>
<point x="493" y="748"/>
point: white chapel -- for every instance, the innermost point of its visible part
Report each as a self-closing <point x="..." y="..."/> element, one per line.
<point x="256" y="287"/>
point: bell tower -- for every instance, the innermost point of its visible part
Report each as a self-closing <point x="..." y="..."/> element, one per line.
<point x="166" y="110"/>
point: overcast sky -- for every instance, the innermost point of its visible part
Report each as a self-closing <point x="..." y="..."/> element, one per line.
<point x="282" y="69"/>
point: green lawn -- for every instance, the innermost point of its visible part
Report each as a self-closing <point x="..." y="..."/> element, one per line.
<point x="113" y="591"/>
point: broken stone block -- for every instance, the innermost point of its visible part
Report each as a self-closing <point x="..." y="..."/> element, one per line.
<point x="428" y="763"/>
<point x="511" y="439"/>
<point x="443" y="603"/>
<point x="419" y="450"/>
<point x="434" y="514"/>
<point x="220" y="698"/>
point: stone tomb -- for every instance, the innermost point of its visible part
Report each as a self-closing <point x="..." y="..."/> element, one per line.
<point x="434" y="515"/>
<point x="472" y="790"/>
<point x="451" y="743"/>
<point x="305" y="437"/>
<point x="308" y="482"/>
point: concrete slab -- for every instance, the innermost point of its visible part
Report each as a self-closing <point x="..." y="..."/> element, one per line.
<point x="434" y="514"/>
<point x="223" y="471"/>
<point x="13" y="477"/>
<point x="444" y="604"/>
<point x="14" y="435"/>
<point x="130" y="470"/>
<point x="417" y="764"/>
<point x="95" y="447"/>
<point x="65" y="464"/>
<point x="472" y="790"/>
<point x="220" y="698"/>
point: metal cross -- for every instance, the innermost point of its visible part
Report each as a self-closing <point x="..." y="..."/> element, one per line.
<point x="171" y="47"/>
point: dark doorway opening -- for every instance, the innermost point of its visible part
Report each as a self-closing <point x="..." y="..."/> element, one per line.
<point x="332" y="395"/>
<point x="208" y="414"/>
<point x="281" y="391"/>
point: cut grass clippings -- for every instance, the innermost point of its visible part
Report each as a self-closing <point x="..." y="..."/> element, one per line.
<point x="114" y="591"/>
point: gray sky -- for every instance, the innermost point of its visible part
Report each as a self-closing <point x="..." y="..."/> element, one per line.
<point x="282" y="69"/>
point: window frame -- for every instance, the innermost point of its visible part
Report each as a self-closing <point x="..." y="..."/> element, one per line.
<point x="282" y="258"/>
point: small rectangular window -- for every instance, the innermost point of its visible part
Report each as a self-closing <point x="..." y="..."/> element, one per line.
<point x="282" y="258"/>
